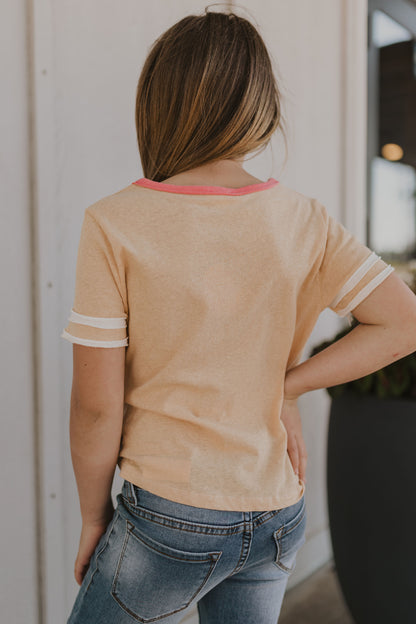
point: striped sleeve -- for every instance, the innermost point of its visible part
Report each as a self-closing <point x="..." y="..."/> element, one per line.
<point x="349" y="270"/>
<point x="98" y="317"/>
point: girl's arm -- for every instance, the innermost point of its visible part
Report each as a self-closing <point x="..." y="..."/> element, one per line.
<point x="387" y="332"/>
<point x="96" y="420"/>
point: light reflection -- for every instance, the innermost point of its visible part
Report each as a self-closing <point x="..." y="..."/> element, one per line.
<point x="393" y="213"/>
<point x="392" y="151"/>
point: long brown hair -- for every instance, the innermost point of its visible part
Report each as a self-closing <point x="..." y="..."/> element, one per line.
<point x="207" y="92"/>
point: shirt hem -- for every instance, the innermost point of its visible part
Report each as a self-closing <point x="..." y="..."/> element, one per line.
<point x="219" y="503"/>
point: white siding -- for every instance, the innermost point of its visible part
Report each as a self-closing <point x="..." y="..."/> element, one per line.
<point x="19" y="562"/>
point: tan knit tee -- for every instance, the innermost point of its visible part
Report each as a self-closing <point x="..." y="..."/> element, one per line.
<point x="214" y="292"/>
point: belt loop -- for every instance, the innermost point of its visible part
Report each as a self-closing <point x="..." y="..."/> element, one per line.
<point x="133" y="493"/>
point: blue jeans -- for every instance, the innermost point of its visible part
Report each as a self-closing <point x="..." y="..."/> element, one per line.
<point x="158" y="559"/>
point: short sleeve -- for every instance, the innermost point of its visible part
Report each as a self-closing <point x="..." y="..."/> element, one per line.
<point x="99" y="314"/>
<point x="349" y="270"/>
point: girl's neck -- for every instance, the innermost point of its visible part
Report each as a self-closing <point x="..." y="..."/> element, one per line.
<point x="228" y="173"/>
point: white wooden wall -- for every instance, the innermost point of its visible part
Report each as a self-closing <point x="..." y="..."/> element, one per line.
<point x="70" y="71"/>
<point x="20" y="563"/>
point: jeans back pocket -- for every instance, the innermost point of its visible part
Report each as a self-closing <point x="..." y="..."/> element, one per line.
<point x="153" y="580"/>
<point x="290" y="536"/>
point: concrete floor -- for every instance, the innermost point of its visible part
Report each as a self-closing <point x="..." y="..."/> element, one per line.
<point x="317" y="600"/>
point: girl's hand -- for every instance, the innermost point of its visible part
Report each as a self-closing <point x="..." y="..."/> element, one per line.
<point x="296" y="448"/>
<point x="90" y="536"/>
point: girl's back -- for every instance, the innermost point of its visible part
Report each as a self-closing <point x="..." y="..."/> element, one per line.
<point x="219" y="289"/>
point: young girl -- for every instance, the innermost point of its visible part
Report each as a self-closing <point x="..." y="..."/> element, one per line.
<point x="197" y="287"/>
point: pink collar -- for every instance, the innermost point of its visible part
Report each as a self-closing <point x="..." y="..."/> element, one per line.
<point x="190" y="189"/>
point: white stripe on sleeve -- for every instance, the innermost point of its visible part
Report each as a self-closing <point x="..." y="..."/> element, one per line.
<point x="94" y="343"/>
<point x="366" y="290"/>
<point x="355" y="278"/>
<point x="95" y="321"/>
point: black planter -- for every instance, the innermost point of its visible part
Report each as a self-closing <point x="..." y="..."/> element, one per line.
<point x="371" y="489"/>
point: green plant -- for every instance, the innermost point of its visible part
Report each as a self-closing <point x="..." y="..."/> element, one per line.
<point x="397" y="380"/>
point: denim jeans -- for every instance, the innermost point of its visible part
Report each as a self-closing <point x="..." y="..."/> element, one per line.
<point x="158" y="559"/>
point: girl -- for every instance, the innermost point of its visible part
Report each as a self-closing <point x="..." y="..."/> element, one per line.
<point x="197" y="287"/>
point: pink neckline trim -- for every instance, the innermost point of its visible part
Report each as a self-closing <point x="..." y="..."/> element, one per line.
<point x="190" y="189"/>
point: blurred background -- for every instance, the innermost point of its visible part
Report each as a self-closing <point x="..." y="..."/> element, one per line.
<point x="346" y="70"/>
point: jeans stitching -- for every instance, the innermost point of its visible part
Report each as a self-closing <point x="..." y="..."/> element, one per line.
<point x="128" y="534"/>
<point x="265" y="518"/>
<point x="211" y="555"/>
<point x="193" y="527"/>
<point x="279" y="531"/>
<point x="278" y="535"/>
<point x="241" y="563"/>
